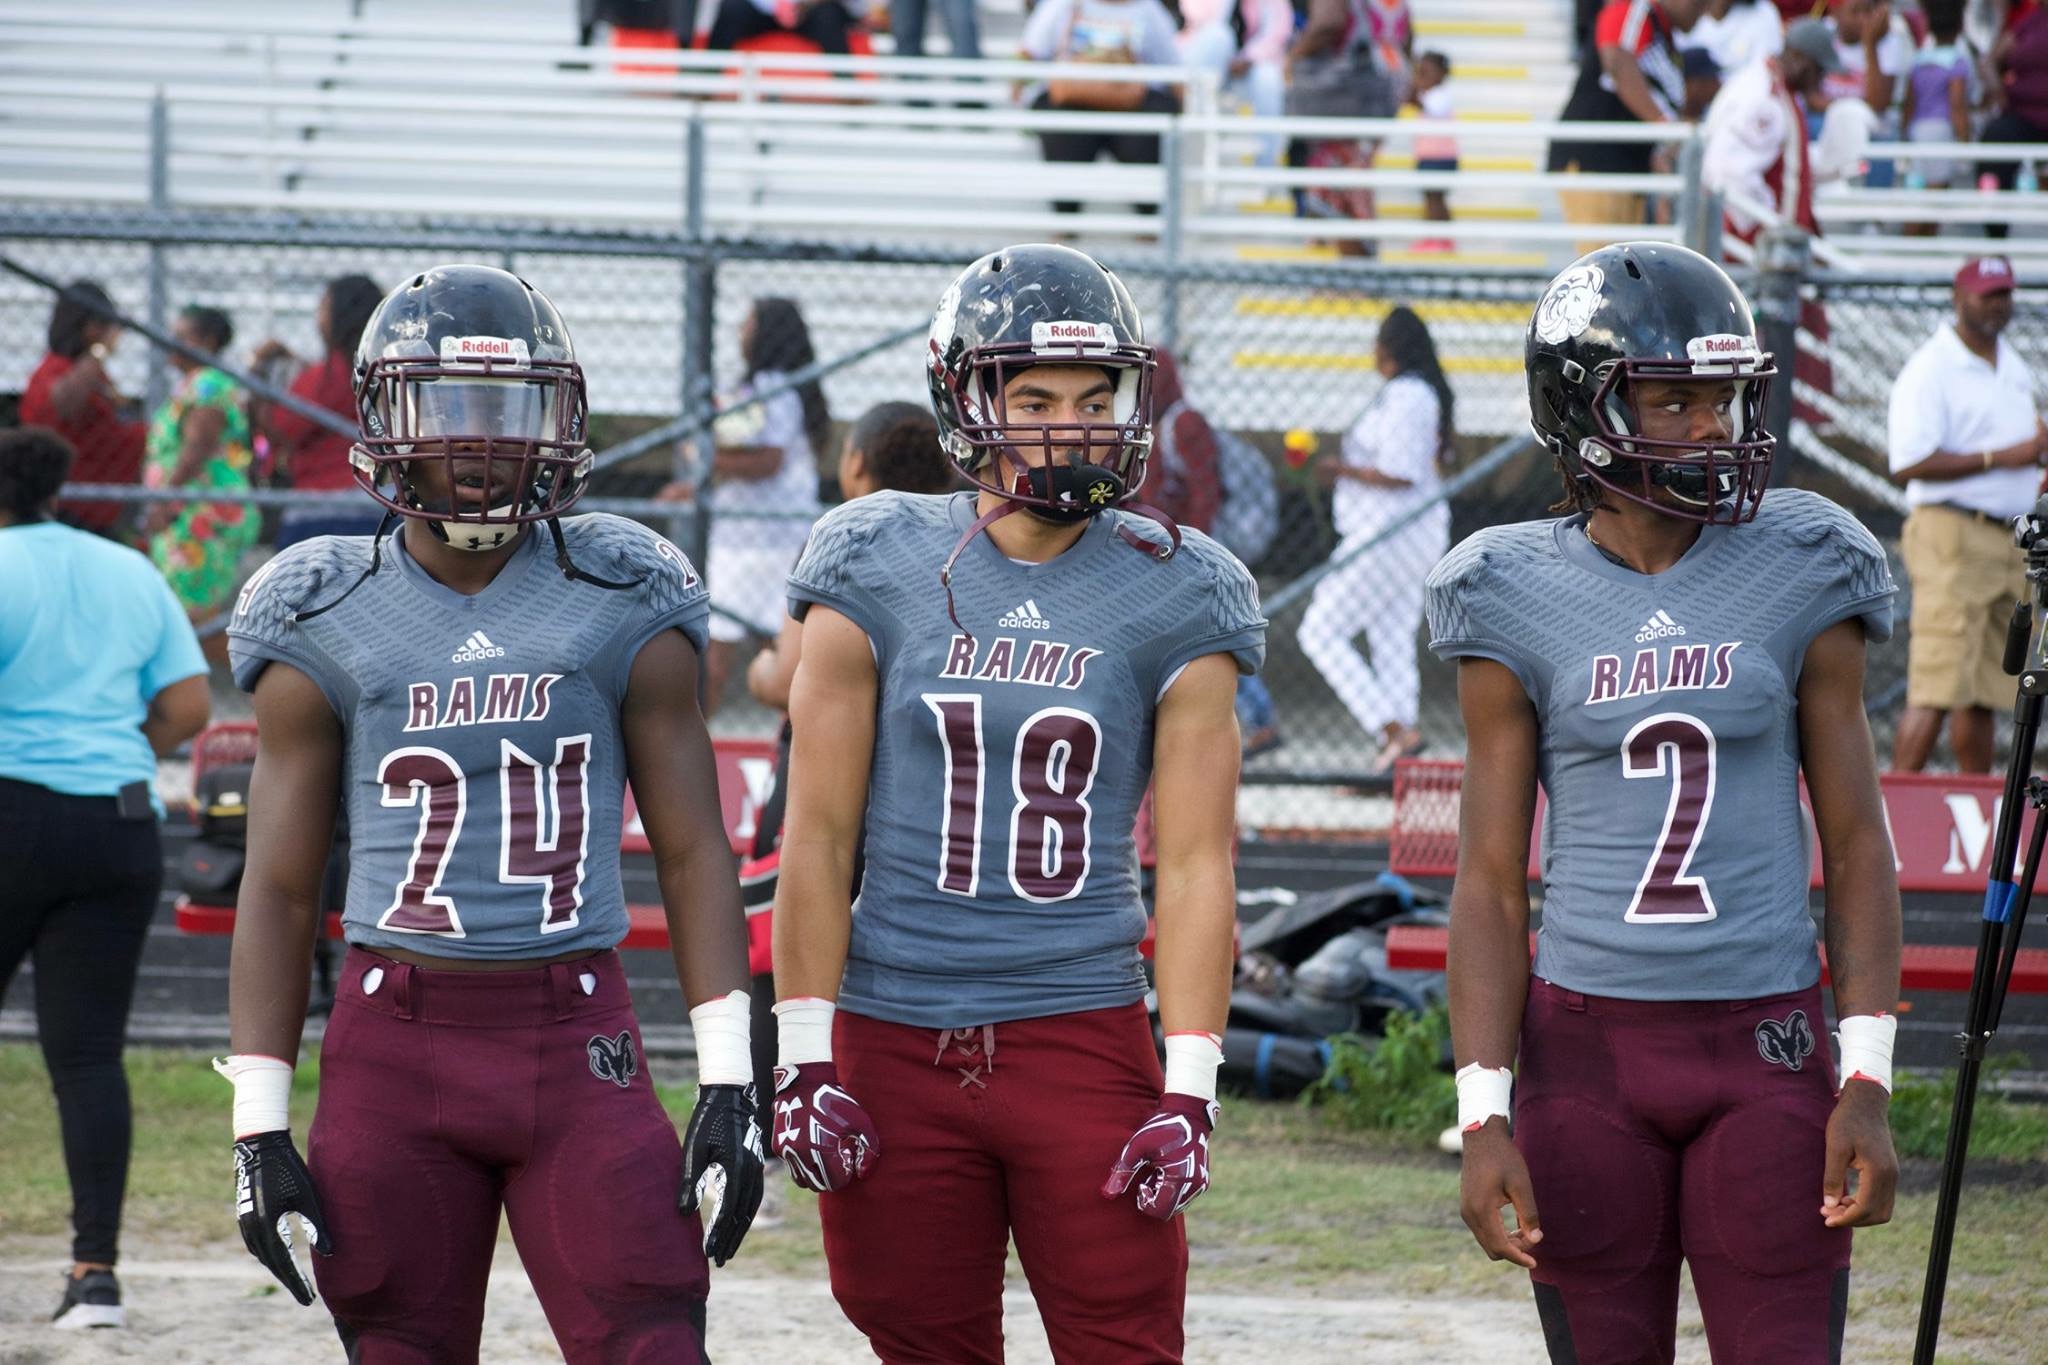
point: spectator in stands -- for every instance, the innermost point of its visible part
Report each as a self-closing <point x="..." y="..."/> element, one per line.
<point x="1349" y="60"/>
<point x="1756" y="131"/>
<point x="907" y="24"/>
<point x="103" y="678"/>
<point x="828" y="23"/>
<point x="1244" y="42"/>
<point x="764" y="486"/>
<point x="1630" y="72"/>
<point x="1967" y="440"/>
<point x="70" y="393"/>
<point x="1394" y="525"/>
<point x="1937" y="106"/>
<point x="1181" y="475"/>
<point x="311" y="457"/>
<point x="1111" y="33"/>
<point x="199" y="439"/>
<point x="1735" y="33"/>
<point x="892" y="446"/>
<point x="1437" y="149"/>
<point x="2019" y="60"/>
<point x="1876" y="51"/>
<point x="1702" y="81"/>
<point x="1184" y="479"/>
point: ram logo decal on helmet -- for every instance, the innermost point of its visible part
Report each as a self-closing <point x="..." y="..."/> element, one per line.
<point x="1569" y="306"/>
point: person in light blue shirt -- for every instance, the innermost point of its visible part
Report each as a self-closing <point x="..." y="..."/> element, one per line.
<point x="100" y="675"/>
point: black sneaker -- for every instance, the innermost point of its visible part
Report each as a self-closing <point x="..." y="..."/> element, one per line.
<point x="90" y="1300"/>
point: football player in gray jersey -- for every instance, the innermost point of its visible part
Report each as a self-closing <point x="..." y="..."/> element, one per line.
<point x="994" y="677"/>
<point x="1667" y="662"/>
<point x="478" y="687"/>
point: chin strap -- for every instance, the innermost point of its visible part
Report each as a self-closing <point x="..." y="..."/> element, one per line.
<point x="376" y="559"/>
<point x="1155" y="549"/>
<point x="576" y="575"/>
<point x="1162" y="553"/>
<point x="981" y="523"/>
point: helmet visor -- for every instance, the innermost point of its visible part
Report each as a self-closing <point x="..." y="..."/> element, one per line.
<point x="463" y="409"/>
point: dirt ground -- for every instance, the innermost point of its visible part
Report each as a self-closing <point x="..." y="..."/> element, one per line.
<point x="217" y="1307"/>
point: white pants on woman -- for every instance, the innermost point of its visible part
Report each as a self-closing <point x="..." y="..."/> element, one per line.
<point x="1377" y="593"/>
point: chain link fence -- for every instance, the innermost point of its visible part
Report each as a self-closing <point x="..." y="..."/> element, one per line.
<point x="1279" y="358"/>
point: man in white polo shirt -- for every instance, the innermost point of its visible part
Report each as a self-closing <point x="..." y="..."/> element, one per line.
<point x="1967" y="440"/>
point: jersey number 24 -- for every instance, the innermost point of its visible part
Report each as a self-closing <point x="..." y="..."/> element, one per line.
<point x="543" y="832"/>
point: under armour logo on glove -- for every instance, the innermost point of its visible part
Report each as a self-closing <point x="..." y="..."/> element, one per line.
<point x="821" y="1132"/>
<point x="1167" y="1158"/>
<point x="271" y="1185"/>
<point x="1787" y="1041"/>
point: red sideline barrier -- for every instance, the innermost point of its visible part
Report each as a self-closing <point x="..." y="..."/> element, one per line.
<point x="1923" y="967"/>
<point x="1941" y="825"/>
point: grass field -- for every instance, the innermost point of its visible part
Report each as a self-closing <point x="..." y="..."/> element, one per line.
<point x="1297" y="1208"/>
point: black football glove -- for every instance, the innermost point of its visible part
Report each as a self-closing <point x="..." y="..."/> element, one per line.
<point x="722" y="1152"/>
<point x="271" y="1184"/>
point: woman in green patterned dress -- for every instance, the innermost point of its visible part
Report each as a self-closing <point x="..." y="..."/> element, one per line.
<point x="200" y="439"/>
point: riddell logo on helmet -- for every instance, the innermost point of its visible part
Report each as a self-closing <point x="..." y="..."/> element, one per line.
<point x="455" y="350"/>
<point x="1048" y="335"/>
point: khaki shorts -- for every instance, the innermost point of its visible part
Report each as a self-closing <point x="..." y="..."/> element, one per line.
<point x="1966" y="574"/>
<point x="1592" y="205"/>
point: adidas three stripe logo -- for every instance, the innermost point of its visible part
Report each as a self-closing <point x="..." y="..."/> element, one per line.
<point x="1024" y="617"/>
<point x="475" y="649"/>
<point x="1659" y="627"/>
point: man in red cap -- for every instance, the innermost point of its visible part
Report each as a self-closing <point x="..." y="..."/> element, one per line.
<point x="1967" y="441"/>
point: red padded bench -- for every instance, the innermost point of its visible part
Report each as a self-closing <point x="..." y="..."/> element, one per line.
<point x="1941" y="827"/>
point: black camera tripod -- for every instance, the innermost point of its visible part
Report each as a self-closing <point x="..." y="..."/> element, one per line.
<point x="2005" y="905"/>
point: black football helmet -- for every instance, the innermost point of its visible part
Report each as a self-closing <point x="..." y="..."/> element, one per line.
<point x="1041" y="305"/>
<point x="472" y="366"/>
<point x="1637" y="311"/>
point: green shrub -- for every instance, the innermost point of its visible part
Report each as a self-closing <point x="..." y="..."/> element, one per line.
<point x="1395" y="1084"/>
<point x="2001" y="1129"/>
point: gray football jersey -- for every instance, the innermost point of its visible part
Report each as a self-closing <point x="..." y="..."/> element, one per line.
<point x="1010" y="757"/>
<point x="483" y="770"/>
<point x="1675" y="854"/>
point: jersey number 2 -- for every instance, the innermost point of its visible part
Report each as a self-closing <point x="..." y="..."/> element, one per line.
<point x="544" y="831"/>
<point x="1051" y="772"/>
<point x="1679" y="748"/>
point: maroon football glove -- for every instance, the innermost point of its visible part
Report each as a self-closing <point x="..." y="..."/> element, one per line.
<point x="821" y="1132"/>
<point x="1168" y="1157"/>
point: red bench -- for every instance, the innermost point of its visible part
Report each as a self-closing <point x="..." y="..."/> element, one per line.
<point x="1941" y="826"/>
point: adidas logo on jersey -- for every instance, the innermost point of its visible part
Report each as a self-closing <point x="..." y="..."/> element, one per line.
<point x="476" y="648"/>
<point x="1659" y="627"/>
<point x="1025" y="617"/>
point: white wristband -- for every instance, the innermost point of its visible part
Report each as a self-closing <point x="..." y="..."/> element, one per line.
<point x="1483" y="1091"/>
<point x="803" y="1030"/>
<point x="1866" y="1041"/>
<point x="263" y="1092"/>
<point x="725" y="1054"/>
<point x="1191" y="1062"/>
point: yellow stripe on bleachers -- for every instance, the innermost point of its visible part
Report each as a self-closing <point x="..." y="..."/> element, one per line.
<point x="1405" y="161"/>
<point x="1269" y="251"/>
<point x="1364" y="360"/>
<point x="1409" y="111"/>
<point x="1470" y="28"/>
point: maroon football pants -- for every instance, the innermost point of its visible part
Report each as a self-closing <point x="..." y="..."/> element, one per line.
<point x="987" y="1134"/>
<point x="1661" y="1130"/>
<point x="446" y="1096"/>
